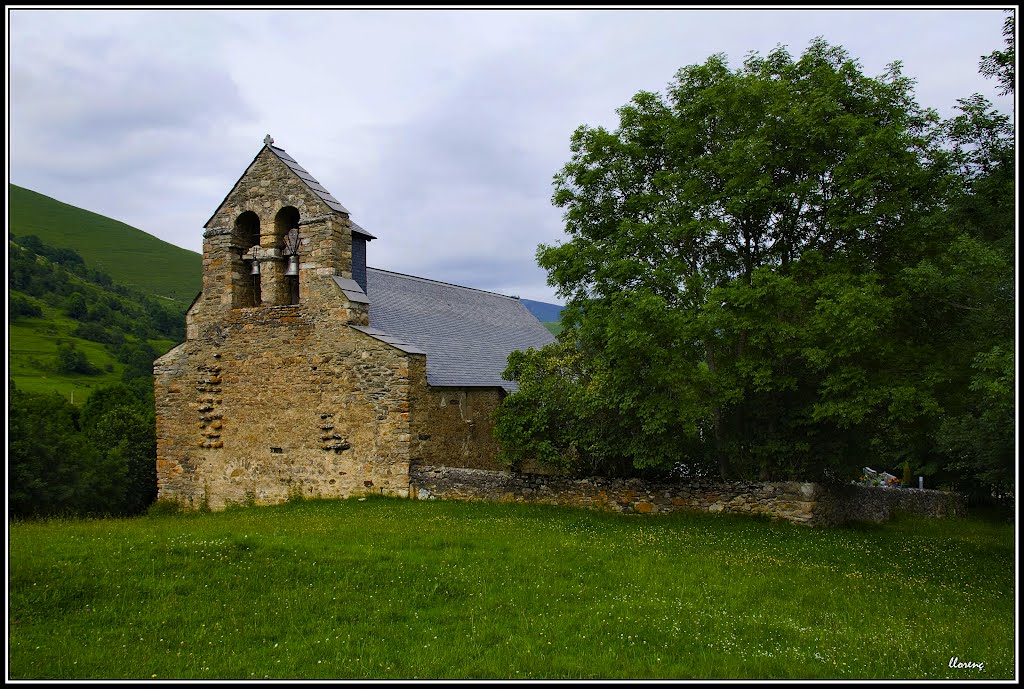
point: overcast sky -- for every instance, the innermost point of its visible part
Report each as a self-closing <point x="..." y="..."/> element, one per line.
<point x="439" y="130"/>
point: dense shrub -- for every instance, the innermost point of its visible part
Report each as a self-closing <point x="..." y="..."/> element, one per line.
<point x="19" y="306"/>
<point x="70" y="359"/>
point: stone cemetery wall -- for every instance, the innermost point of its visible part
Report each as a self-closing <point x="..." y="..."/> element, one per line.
<point x="810" y="504"/>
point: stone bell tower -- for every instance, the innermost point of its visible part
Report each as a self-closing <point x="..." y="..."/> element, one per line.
<point x="281" y="388"/>
<point x="279" y="238"/>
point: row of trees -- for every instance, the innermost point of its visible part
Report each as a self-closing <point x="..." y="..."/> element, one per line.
<point x="789" y="270"/>
<point x="66" y="461"/>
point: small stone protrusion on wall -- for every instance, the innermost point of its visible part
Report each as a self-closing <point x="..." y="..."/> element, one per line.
<point x="338" y="447"/>
<point x="329" y="441"/>
<point x="208" y="403"/>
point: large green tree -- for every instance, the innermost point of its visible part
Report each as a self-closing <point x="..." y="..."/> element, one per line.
<point x="51" y="466"/>
<point x="120" y="423"/>
<point x="975" y="437"/>
<point x="748" y="272"/>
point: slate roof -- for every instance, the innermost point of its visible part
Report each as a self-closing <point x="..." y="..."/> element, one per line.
<point x="467" y="333"/>
<point x="395" y="342"/>
<point x="315" y="186"/>
<point x="352" y="290"/>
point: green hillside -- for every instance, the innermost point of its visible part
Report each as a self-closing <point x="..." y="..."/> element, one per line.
<point x="73" y="330"/>
<point x="129" y="255"/>
<point x="33" y="349"/>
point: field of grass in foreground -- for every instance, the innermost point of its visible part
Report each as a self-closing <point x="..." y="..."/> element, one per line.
<point x="389" y="588"/>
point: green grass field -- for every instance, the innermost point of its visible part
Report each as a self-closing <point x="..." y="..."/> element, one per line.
<point x="389" y="588"/>
<point x="32" y="349"/>
<point x="128" y="255"/>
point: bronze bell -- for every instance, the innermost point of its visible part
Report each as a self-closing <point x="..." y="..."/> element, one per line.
<point x="255" y="268"/>
<point x="293" y="265"/>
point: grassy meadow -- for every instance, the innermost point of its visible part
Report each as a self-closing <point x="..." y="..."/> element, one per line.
<point x="389" y="588"/>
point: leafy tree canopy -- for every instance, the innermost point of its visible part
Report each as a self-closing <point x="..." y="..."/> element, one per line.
<point x="763" y="277"/>
<point x="65" y="461"/>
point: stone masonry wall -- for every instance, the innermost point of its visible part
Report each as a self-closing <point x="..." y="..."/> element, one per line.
<point x="876" y="504"/>
<point x="267" y="187"/>
<point x="801" y="503"/>
<point x="275" y="404"/>
<point x="268" y="400"/>
<point x="453" y="427"/>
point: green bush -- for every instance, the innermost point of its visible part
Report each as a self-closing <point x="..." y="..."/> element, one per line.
<point x="20" y="306"/>
<point x="70" y="359"/>
<point x="76" y="307"/>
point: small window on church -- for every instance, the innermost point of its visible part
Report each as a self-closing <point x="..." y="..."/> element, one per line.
<point x="245" y="276"/>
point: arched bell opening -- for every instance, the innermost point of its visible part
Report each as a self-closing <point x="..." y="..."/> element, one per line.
<point x="286" y="233"/>
<point x="245" y="273"/>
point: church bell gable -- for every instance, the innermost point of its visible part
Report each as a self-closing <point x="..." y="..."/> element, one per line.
<point x="277" y="239"/>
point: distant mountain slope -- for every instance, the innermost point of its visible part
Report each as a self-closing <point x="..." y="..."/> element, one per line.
<point x="127" y="254"/>
<point x="544" y="312"/>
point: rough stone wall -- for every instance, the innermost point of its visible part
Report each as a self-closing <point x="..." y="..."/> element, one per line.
<point x="801" y="503"/>
<point x="276" y="403"/>
<point x="267" y="187"/>
<point x="791" y="501"/>
<point x="876" y="504"/>
<point x="454" y="426"/>
<point x="263" y="401"/>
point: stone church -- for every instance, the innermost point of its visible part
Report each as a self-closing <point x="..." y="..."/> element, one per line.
<point x="305" y="372"/>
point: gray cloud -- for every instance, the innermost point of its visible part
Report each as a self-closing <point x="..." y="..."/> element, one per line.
<point x="440" y="130"/>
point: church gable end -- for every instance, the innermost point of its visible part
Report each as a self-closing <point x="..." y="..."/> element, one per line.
<point x="276" y="239"/>
<point x="273" y="393"/>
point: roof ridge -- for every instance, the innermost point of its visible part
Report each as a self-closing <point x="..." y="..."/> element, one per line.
<point x="441" y="282"/>
<point x="325" y="195"/>
<point x="314" y="185"/>
<point x="305" y="176"/>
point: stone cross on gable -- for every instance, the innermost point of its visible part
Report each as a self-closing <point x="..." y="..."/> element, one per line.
<point x="268" y="140"/>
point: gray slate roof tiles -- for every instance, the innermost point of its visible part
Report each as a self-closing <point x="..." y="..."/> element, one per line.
<point x="467" y="334"/>
<point x="315" y="186"/>
<point x="395" y="342"/>
<point x="351" y="289"/>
